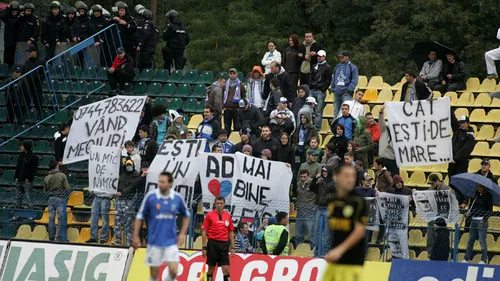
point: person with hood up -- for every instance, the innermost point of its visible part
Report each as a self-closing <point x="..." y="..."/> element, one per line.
<point x="309" y="107"/>
<point x="399" y="187"/>
<point x="285" y="82"/>
<point x="27" y="32"/>
<point x="291" y="60"/>
<point x="148" y="40"/>
<point x="147" y="146"/>
<point x="177" y="39"/>
<point x="214" y="95"/>
<point x="27" y="166"/>
<point x="306" y="209"/>
<point x="121" y="72"/>
<point x="266" y="141"/>
<point x="340" y="141"/>
<point x="234" y="92"/>
<point x="125" y="203"/>
<point x="247" y="150"/>
<point x="330" y="158"/>
<point x="441" y="249"/>
<point x="255" y="87"/>
<point x="385" y="148"/>
<point x="285" y="150"/>
<point x="9" y="17"/>
<point x="127" y="28"/>
<point x="52" y="29"/>
<point x="250" y="117"/>
<point x="130" y="153"/>
<point x="300" y="101"/>
<point x="362" y="140"/>
<point x="269" y="57"/>
<point x="209" y="128"/>
<point x="191" y="135"/>
<point x="305" y="132"/>
<point x="347" y="121"/>
<point x="178" y="129"/>
<point x="273" y="98"/>
<point x="159" y="125"/>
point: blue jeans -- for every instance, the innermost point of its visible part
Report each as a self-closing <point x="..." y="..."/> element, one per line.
<point x="324" y="237"/>
<point x="57" y="204"/>
<point x="100" y="207"/>
<point x="340" y="98"/>
<point x="305" y="225"/>
<point x="477" y="230"/>
<point x="320" y="99"/>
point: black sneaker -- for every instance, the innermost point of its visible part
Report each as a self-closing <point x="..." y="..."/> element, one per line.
<point x="102" y="242"/>
<point x="91" y="241"/>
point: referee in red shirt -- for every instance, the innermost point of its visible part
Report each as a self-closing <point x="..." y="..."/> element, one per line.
<point x="218" y="228"/>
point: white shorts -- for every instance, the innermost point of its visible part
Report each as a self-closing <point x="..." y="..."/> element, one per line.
<point x="156" y="256"/>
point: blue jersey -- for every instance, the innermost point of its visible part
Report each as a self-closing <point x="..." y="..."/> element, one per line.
<point x="160" y="213"/>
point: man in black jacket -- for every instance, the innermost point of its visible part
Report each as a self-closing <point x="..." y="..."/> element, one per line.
<point x="250" y="117"/>
<point x="146" y="145"/>
<point x="286" y="82"/>
<point x="148" y="41"/>
<point x="307" y="54"/>
<point x="9" y="17"/>
<point x="27" y="166"/>
<point x="245" y="135"/>
<point x="321" y="76"/>
<point x="177" y="39"/>
<point x="485" y="170"/>
<point x="17" y="96"/>
<point x="52" y="30"/>
<point x="97" y="23"/>
<point x="35" y="79"/>
<point x="127" y="27"/>
<point x="27" y="32"/>
<point x="122" y="71"/>
<point x="59" y="146"/>
<point x="414" y="89"/>
<point x="266" y="142"/>
<point x="452" y="75"/>
<point x="80" y="30"/>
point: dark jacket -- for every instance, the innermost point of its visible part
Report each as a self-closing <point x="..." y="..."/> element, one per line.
<point x="290" y="59"/>
<point x="421" y="90"/>
<point x="149" y="37"/>
<point x="251" y="118"/>
<point x="148" y="150"/>
<point x="68" y="27"/>
<point x="10" y="32"/>
<point x="127" y="31"/>
<point x="286" y="84"/>
<point x="310" y="132"/>
<point x="124" y="66"/>
<point x="277" y="129"/>
<point x="321" y="77"/>
<point x="127" y="184"/>
<point x="53" y="28"/>
<point x="17" y="93"/>
<point x="441" y="249"/>
<point x="27" y="166"/>
<point x="59" y="146"/>
<point x="261" y="144"/>
<point x="272" y="104"/>
<point x="176" y="35"/>
<point x="365" y="192"/>
<point x="297" y="104"/>
<point x="481" y="205"/>
<point x="463" y="141"/>
<point x="239" y="146"/>
<point x="140" y="21"/>
<point x="341" y="143"/>
<point x="349" y="124"/>
<point x="315" y="47"/>
<point x="458" y="74"/>
<point x="28" y="28"/>
<point x="97" y="24"/>
<point x="81" y="28"/>
<point x="231" y="102"/>
<point x="489" y="175"/>
<point x="324" y="188"/>
<point x="31" y="64"/>
<point x="285" y="154"/>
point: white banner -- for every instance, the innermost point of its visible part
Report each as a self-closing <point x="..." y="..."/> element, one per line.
<point x="180" y="158"/>
<point x="421" y="131"/>
<point x="432" y="204"/>
<point x="104" y="169"/>
<point x="110" y="122"/>
<point x="394" y="213"/>
<point x="63" y="262"/>
<point x="252" y="187"/>
<point x="373" y="215"/>
<point x="3" y="249"/>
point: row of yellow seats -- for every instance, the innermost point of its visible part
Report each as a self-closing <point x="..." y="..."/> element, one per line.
<point x="482" y="149"/>
<point x="468" y="100"/>
<point x="71" y="220"/>
<point x="40" y="233"/>
<point x="479" y="115"/>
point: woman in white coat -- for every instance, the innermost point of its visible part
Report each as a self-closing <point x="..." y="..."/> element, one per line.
<point x="269" y="57"/>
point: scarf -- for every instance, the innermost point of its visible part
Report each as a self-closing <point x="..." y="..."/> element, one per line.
<point x="142" y="142"/>
<point x="233" y="84"/>
<point x="319" y="63"/>
<point x="251" y="85"/>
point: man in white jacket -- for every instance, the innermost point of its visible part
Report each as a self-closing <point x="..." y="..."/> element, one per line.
<point x="490" y="57"/>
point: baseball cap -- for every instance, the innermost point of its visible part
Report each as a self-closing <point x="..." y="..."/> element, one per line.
<point x="242" y="103"/>
<point x="485" y="162"/>
<point x="17" y="68"/>
<point x="233" y="70"/>
<point x="283" y="100"/>
<point x="433" y="178"/>
<point x="267" y="153"/>
<point x="129" y="162"/>
<point x="368" y="177"/>
<point x="120" y="50"/>
<point x="321" y="53"/>
<point x="32" y="48"/>
<point x="312" y="152"/>
<point x="463" y="118"/>
<point x="311" y="100"/>
<point x="343" y="54"/>
<point x="246" y="148"/>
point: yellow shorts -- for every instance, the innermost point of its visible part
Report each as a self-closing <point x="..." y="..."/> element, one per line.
<point x="342" y="272"/>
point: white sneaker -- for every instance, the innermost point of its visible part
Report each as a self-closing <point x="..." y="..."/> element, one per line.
<point x="465" y="261"/>
<point x="481" y="262"/>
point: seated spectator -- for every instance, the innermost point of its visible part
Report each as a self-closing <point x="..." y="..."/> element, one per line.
<point x="226" y="145"/>
<point x="300" y="101"/>
<point x="485" y="170"/>
<point x="311" y="165"/>
<point x="285" y="82"/>
<point x="285" y="150"/>
<point x="250" y="117"/>
<point x="209" y="128"/>
<point x="121" y="72"/>
<point x="305" y="132"/>
<point x="441" y="249"/>
<point x="178" y="129"/>
<point x="374" y="129"/>
<point x="431" y="69"/>
<point x="241" y="241"/>
<point x="309" y="107"/>
<point x="414" y="89"/>
<point x="490" y="57"/>
<point x="273" y="98"/>
<point x="452" y="75"/>
<point x="60" y="145"/>
<point x="356" y="108"/>
<point x="215" y="93"/>
<point x="266" y="141"/>
<point x="132" y="154"/>
<point x="245" y="133"/>
<point x="160" y="124"/>
<point x="280" y="123"/>
<point x="255" y="87"/>
<point x="247" y="150"/>
<point x="146" y="145"/>
<point x="57" y="188"/>
<point x="347" y="121"/>
<point x="383" y="178"/>
<point x="330" y="158"/>
<point x="234" y="92"/>
<point x="269" y="57"/>
<point x="314" y="144"/>
<point x="362" y="139"/>
<point x="27" y="166"/>
<point x="266" y="154"/>
<point x="339" y="140"/>
<point x="291" y="59"/>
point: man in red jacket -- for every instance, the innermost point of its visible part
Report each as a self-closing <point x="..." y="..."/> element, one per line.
<point x="375" y="131"/>
<point x="121" y="72"/>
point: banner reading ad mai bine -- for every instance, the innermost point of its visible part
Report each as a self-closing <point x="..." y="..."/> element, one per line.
<point x="63" y="262"/>
<point x="110" y="122"/>
<point x="421" y="131"/>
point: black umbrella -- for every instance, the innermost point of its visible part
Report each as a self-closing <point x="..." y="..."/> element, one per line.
<point x="420" y="52"/>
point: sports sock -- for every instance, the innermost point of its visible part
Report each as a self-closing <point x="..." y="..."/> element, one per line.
<point x="226" y="278"/>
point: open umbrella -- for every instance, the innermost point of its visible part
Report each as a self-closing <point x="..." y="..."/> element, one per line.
<point x="420" y="52"/>
<point x="495" y="95"/>
<point x="467" y="183"/>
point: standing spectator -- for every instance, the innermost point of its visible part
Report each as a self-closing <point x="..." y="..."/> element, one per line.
<point x="226" y="145"/>
<point x="311" y="165"/>
<point x="307" y="55"/>
<point x="385" y="149"/>
<point x="366" y="188"/>
<point x="291" y="59"/>
<point x="383" y="178"/>
<point x="17" y="96"/>
<point x="490" y="57"/>
<point x="97" y="23"/>
<point x="345" y="80"/>
<point x="374" y="129"/>
<point x="218" y="238"/>
<point x="149" y="38"/>
<point x="347" y="121"/>
<point x="321" y="75"/>
<point x="27" y="32"/>
<point x="306" y="209"/>
<point x="356" y="108"/>
<point x="300" y="101"/>
<point x="441" y="249"/>
<point x="340" y="140"/>
<point x="330" y="158"/>
<point x="255" y="87"/>
<point x="209" y="128"/>
<point x="452" y="75"/>
<point x="273" y="99"/>
<point x="269" y="57"/>
<point x="431" y="69"/>
<point x="285" y="82"/>
<point x="305" y="132"/>
<point x="9" y="17"/>
<point x="414" y="89"/>
<point x="125" y="203"/>
<point x="280" y="124"/>
<point x="159" y="125"/>
<point x="27" y="166"/>
<point x="245" y="134"/>
<point x="485" y="170"/>
<point x="100" y="208"/>
<point x="121" y="72"/>
<point x="60" y="145"/>
<point x="34" y="79"/>
<point x="178" y="129"/>
<point x="480" y="208"/>
<point x="233" y="93"/>
<point x="140" y="183"/>
<point x="57" y="187"/>
<point x="127" y="28"/>
<point x="265" y="142"/>
<point x="285" y="151"/>
<point x="250" y="117"/>
<point x="436" y="184"/>
<point x="308" y="108"/>
<point x="362" y="139"/>
<point x="276" y="237"/>
<point x="241" y="241"/>
<point x="177" y="39"/>
<point x="147" y="146"/>
<point x="132" y="154"/>
<point x="52" y="30"/>
<point x="324" y="187"/>
<point x="215" y="92"/>
<point x="314" y="143"/>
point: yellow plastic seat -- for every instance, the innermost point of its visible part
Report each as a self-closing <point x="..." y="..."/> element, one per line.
<point x="75" y="199"/>
<point x="194" y="121"/>
<point x="476" y="258"/>
<point x="417" y="179"/>
<point x="397" y="96"/>
<point x="385" y="95"/>
<point x="474" y="127"/>
<point x="425" y="168"/>
<point x="453" y="97"/>
<point x="325" y="127"/>
<point x="23" y="232"/>
<point x="495" y="260"/>
<point x="367" y="108"/>
<point x="462" y="244"/>
<point x="397" y="87"/>
<point x="446" y="180"/>
<point x="303" y="250"/>
<point x="376" y="82"/>
<point x="481" y="149"/>
<point x="84" y="235"/>
<point x="473" y="85"/>
<point x="465" y="99"/>
<point x="440" y="168"/>
<point x="329" y="97"/>
<point x="362" y="82"/>
<point x="488" y="85"/>
<point x="474" y="165"/>
<point x="497" y="134"/>
<point x="494" y="103"/>
<point x="493" y="116"/>
<point x="373" y="254"/>
<point x="482" y="100"/>
<point x="45" y="217"/>
<point x="404" y="175"/>
<point x="197" y="245"/>
<point x="412" y="254"/>
<point x="370" y="95"/>
<point x="234" y="137"/>
<point x="495" y="166"/>
<point x="39" y="233"/>
<point x="326" y="140"/>
<point x="73" y="234"/>
<point x="424" y="256"/>
<point x="461" y="112"/>
<point x="495" y="151"/>
<point x="371" y="173"/>
<point x="485" y="133"/>
<point x="478" y="115"/>
<point x="376" y="111"/>
<point x="292" y="229"/>
<point x="328" y="110"/>
<point x="436" y="94"/>
<point x="416" y="238"/>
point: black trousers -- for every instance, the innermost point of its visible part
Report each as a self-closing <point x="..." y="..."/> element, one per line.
<point x="118" y="79"/>
<point x="305" y="78"/>
<point x="9" y="55"/>
<point x="231" y="116"/>
<point x="145" y="60"/>
<point x="174" y="57"/>
<point x="15" y="111"/>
